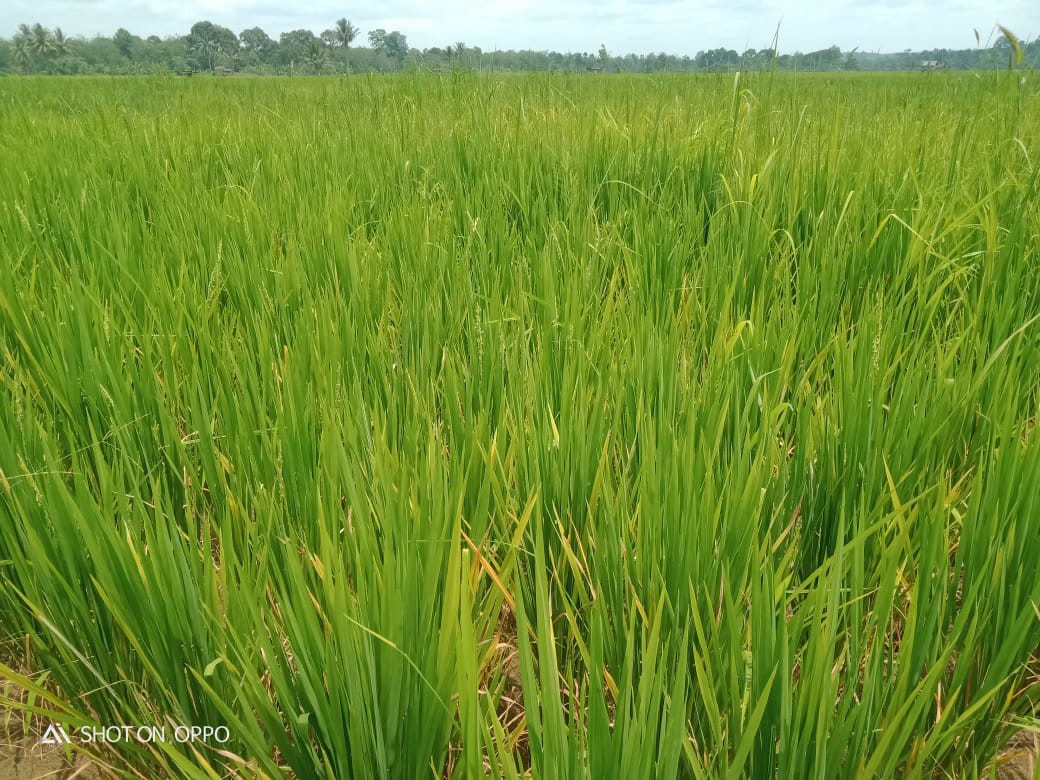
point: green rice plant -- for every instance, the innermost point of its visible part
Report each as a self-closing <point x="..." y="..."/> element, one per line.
<point x="466" y="425"/>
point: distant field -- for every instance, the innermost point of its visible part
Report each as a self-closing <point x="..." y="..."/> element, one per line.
<point x="579" y="426"/>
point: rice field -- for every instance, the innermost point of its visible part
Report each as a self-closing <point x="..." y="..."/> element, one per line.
<point x="488" y="426"/>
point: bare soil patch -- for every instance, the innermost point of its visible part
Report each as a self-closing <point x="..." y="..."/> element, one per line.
<point x="22" y="757"/>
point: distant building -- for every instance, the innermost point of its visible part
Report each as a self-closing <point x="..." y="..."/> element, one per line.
<point x="932" y="65"/>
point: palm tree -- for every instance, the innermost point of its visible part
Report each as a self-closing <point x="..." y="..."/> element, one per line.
<point x="59" y="42"/>
<point x="208" y="49"/>
<point x="22" y="53"/>
<point x="40" y="40"/>
<point x="34" y="44"/>
<point x="455" y="53"/>
<point x="344" y="33"/>
<point x="316" y="55"/>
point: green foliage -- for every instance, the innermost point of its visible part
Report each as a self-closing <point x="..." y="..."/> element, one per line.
<point x="211" y="44"/>
<point x="124" y="42"/>
<point x="392" y="44"/>
<point x="256" y="46"/>
<point x="598" y="426"/>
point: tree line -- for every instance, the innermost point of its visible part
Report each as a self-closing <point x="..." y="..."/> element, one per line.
<point x="211" y="48"/>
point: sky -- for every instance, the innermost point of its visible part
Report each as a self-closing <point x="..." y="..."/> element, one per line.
<point x="623" y="26"/>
